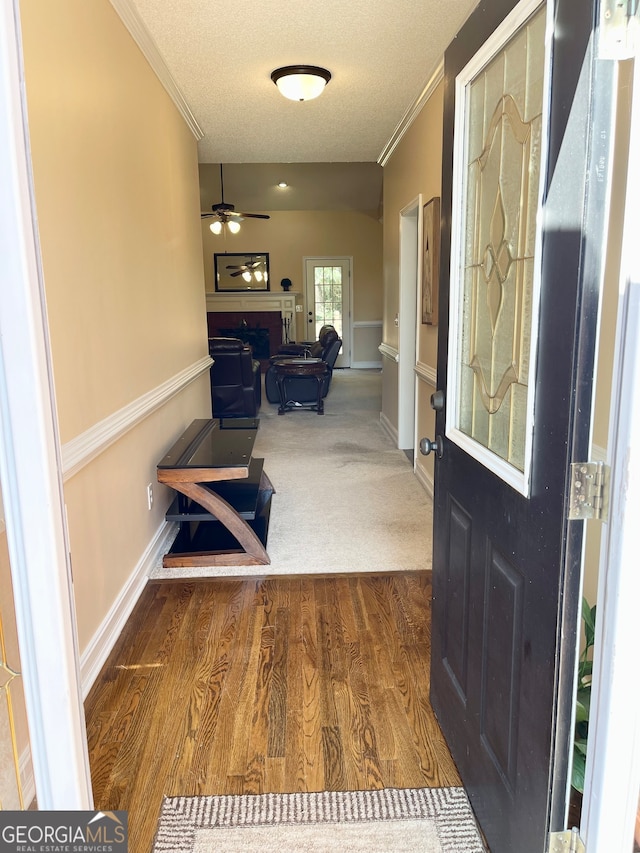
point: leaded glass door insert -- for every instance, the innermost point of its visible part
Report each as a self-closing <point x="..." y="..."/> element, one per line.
<point x="327" y="289"/>
<point x="500" y="99"/>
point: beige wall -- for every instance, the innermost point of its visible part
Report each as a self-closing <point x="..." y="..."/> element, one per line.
<point x="413" y="168"/>
<point x="290" y="236"/>
<point x="117" y="197"/>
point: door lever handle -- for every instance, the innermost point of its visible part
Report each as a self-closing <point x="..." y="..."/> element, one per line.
<point x="428" y="446"/>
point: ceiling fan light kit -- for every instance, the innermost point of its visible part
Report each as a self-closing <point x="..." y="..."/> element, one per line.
<point x="225" y="214"/>
<point x="301" y="82"/>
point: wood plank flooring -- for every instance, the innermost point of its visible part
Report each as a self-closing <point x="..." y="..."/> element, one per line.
<point x="231" y="686"/>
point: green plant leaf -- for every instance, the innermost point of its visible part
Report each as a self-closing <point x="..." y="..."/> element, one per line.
<point x="582" y="713"/>
<point x="577" y="771"/>
<point x="581" y="746"/>
<point x="583" y="698"/>
<point x="585" y="670"/>
<point x="589" y="619"/>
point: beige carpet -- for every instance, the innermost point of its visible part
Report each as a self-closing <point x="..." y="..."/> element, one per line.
<point x="346" y="499"/>
<point x="422" y="820"/>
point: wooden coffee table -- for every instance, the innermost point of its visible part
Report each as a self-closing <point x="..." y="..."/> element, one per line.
<point x="223" y="498"/>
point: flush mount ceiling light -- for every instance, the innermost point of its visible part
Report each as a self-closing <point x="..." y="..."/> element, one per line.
<point x="301" y="82"/>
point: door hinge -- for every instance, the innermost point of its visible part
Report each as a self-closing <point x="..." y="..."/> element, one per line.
<point x="567" y="841"/>
<point x="619" y="29"/>
<point x="589" y="493"/>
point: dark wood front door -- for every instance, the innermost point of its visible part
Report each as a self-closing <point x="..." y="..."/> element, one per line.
<point x="517" y="327"/>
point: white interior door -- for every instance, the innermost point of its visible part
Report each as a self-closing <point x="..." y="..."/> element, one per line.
<point x="328" y="301"/>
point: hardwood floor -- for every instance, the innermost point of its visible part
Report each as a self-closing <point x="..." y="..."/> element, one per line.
<point x="282" y="684"/>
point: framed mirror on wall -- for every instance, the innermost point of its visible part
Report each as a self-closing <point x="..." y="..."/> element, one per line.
<point x="236" y="271"/>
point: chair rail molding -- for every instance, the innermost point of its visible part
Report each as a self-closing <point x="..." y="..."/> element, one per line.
<point x="81" y="450"/>
<point x="426" y="373"/>
<point x="389" y="352"/>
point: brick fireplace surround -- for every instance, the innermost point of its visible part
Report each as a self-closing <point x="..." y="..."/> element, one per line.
<point x="219" y="323"/>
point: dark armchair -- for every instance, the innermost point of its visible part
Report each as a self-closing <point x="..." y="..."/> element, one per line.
<point x="304" y="388"/>
<point x="235" y="379"/>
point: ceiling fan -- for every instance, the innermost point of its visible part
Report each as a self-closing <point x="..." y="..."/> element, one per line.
<point x="226" y="214"/>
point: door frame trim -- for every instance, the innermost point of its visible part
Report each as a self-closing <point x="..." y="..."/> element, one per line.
<point x="612" y="778"/>
<point x="30" y="464"/>
<point x="409" y="276"/>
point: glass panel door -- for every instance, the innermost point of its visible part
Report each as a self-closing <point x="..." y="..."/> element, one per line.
<point x="499" y="121"/>
<point x="327" y="286"/>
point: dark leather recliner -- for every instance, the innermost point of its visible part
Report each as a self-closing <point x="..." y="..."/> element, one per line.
<point x="235" y="379"/>
<point x="304" y="389"/>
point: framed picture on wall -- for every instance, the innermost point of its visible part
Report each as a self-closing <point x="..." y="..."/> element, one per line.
<point x="234" y="271"/>
<point x="430" y="261"/>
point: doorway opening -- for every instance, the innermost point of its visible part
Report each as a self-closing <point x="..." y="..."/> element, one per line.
<point x="410" y="230"/>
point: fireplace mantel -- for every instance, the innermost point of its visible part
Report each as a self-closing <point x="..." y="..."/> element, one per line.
<point x="284" y="302"/>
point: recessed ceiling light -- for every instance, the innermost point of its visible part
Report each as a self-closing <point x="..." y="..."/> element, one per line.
<point x="283" y="185"/>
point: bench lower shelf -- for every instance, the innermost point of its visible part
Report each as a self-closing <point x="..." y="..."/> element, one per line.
<point x="221" y="524"/>
<point x="211" y="543"/>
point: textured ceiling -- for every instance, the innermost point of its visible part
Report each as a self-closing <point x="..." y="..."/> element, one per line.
<point x="221" y="53"/>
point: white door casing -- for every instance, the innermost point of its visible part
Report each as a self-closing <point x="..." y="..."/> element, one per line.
<point x="612" y="781"/>
<point x="30" y="467"/>
<point x="408" y="317"/>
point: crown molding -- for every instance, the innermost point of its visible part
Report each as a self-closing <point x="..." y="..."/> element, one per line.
<point x="410" y="115"/>
<point x="140" y="34"/>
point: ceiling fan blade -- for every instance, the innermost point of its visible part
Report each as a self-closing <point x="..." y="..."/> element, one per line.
<point x="234" y="274"/>
<point x="255" y="215"/>
<point x="207" y="215"/>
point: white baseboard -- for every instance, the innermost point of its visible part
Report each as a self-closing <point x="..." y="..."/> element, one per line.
<point x="366" y="365"/>
<point x="389" y="428"/>
<point x="425" y="479"/>
<point x="94" y="656"/>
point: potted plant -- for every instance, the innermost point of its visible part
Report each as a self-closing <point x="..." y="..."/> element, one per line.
<point x="583" y="706"/>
